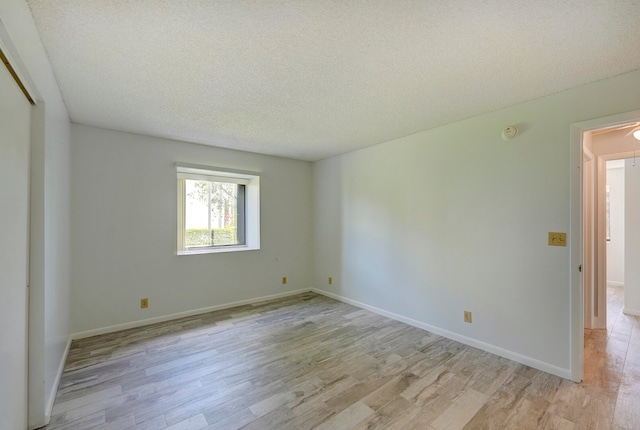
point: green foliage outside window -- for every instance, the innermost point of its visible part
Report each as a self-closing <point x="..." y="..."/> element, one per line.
<point x="219" y="236"/>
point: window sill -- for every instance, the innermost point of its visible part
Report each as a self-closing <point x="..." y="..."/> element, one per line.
<point x="217" y="250"/>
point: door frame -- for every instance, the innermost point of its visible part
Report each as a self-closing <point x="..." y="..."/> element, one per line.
<point x="588" y="174"/>
<point x="576" y="242"/>
<point x="594" y="258"/>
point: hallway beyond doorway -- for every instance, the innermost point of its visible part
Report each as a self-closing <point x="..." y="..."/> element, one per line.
<point x="612" y="360"/>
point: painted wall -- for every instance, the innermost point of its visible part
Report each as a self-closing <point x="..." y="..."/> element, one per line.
<point x="632" y="243"/>
<point x="49" y="322"/>
<point x="615" y="248"/>
<point x="124" y="230"/>
<point x="455" y="219"/>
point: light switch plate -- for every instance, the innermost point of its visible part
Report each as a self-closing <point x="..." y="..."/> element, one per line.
<point x="557" y="239"/>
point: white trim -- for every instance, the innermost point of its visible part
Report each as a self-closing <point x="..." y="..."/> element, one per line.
<point x="215" y="177"/>
<point x="198" y="169"/>
<point x="51" y="397"/>
<point x="216" y="249"/>
<point x="600" y="241"/>
<point x="163" y="318"/>
<point x="615" y="284"/>
<point x="13" y="56"/>
<point x="576" y="305"/>
<point x="609" y="121"/>
<point x="251" y="181"/>
<point x="628" y="311"/>
<point x="532" y="362"/>
<point x="576" y="229"/>
<point x="181" y="214"/>
<point x="537" y="364"/>
<point x="54" y="389"/>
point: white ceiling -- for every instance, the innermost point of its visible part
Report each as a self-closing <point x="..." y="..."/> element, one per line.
<point x="314" y="78"/>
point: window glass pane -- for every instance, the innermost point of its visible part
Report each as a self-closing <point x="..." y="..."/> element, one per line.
<point x="224" y="213"/>
<point x="196" y="220"/>
<point x="211" y="214"/>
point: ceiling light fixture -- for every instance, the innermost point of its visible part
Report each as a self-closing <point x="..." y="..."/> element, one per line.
<point x="635" y="131"/>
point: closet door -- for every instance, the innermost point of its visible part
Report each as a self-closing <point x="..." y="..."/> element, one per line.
<point x="15" y="126"/>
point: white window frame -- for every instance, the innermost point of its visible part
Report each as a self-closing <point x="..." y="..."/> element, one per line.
<point x="250" y="180"/>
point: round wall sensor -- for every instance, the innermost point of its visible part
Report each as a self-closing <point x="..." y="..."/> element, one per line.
<point x="509" y="132"/>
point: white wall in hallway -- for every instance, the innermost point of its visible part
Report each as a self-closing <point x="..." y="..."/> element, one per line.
<point x="615" y="247"/>
<point x="632" y="242"/>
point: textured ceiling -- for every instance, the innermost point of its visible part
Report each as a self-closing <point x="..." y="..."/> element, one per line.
<point x="310" y="79"/>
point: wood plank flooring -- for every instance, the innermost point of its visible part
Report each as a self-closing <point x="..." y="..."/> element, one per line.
<point x="308" y="361"/>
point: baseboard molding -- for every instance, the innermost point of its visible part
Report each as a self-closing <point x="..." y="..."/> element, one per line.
<point x="51" y="396"/>
<point x="615" y="284"/>
<point x="54" y="389"/>
<point x="523" y="359"/>
<point x="532" y="362"/>
<point x="162" y="318"/>
<point x="628" y="311"/>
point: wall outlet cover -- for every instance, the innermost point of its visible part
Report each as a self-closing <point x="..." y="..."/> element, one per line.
<point x="467" y="316"/>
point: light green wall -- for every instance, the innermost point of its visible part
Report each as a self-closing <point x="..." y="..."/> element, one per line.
<point x="455" y="218"/>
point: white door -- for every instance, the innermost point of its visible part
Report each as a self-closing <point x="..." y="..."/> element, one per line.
<point x="15" y="124"/>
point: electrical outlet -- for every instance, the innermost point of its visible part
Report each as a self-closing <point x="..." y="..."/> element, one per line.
<point x="557" y="239"/>
<point x="467" y="316"/>
<point x="284" y="280"/>
<point x="330" y="280"/>
<point x="144" y="303"/>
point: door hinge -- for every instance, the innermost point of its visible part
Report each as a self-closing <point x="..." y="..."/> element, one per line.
<point x="580" y="268"/>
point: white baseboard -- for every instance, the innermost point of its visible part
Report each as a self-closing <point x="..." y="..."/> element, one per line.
<point x="140" y="323"/>
<point x="615" y="284"/>
<point x="54" y="389"/>
<point x="532" y="362"/>
<point x="634" y="312"/>
<point x="523" y="359"/>
<point x="51" y="396"/>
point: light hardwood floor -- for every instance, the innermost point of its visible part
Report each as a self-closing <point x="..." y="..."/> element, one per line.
<point x="312" y="362"/>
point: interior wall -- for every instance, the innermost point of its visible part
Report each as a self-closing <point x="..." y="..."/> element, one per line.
<point x="615" y="247"/>
<point x="49" y="313"/>
<point x="455" y="219"/>
<point x="124" y="219"/>
<point x="632" y="243"/>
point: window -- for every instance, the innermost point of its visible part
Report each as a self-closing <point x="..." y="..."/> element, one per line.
<point x="218" y="210"/>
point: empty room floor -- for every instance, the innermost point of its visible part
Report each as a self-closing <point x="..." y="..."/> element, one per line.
<point x="308" y="361"/>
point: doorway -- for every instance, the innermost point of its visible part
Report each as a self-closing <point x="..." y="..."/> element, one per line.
<point x="588" y="243"/>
